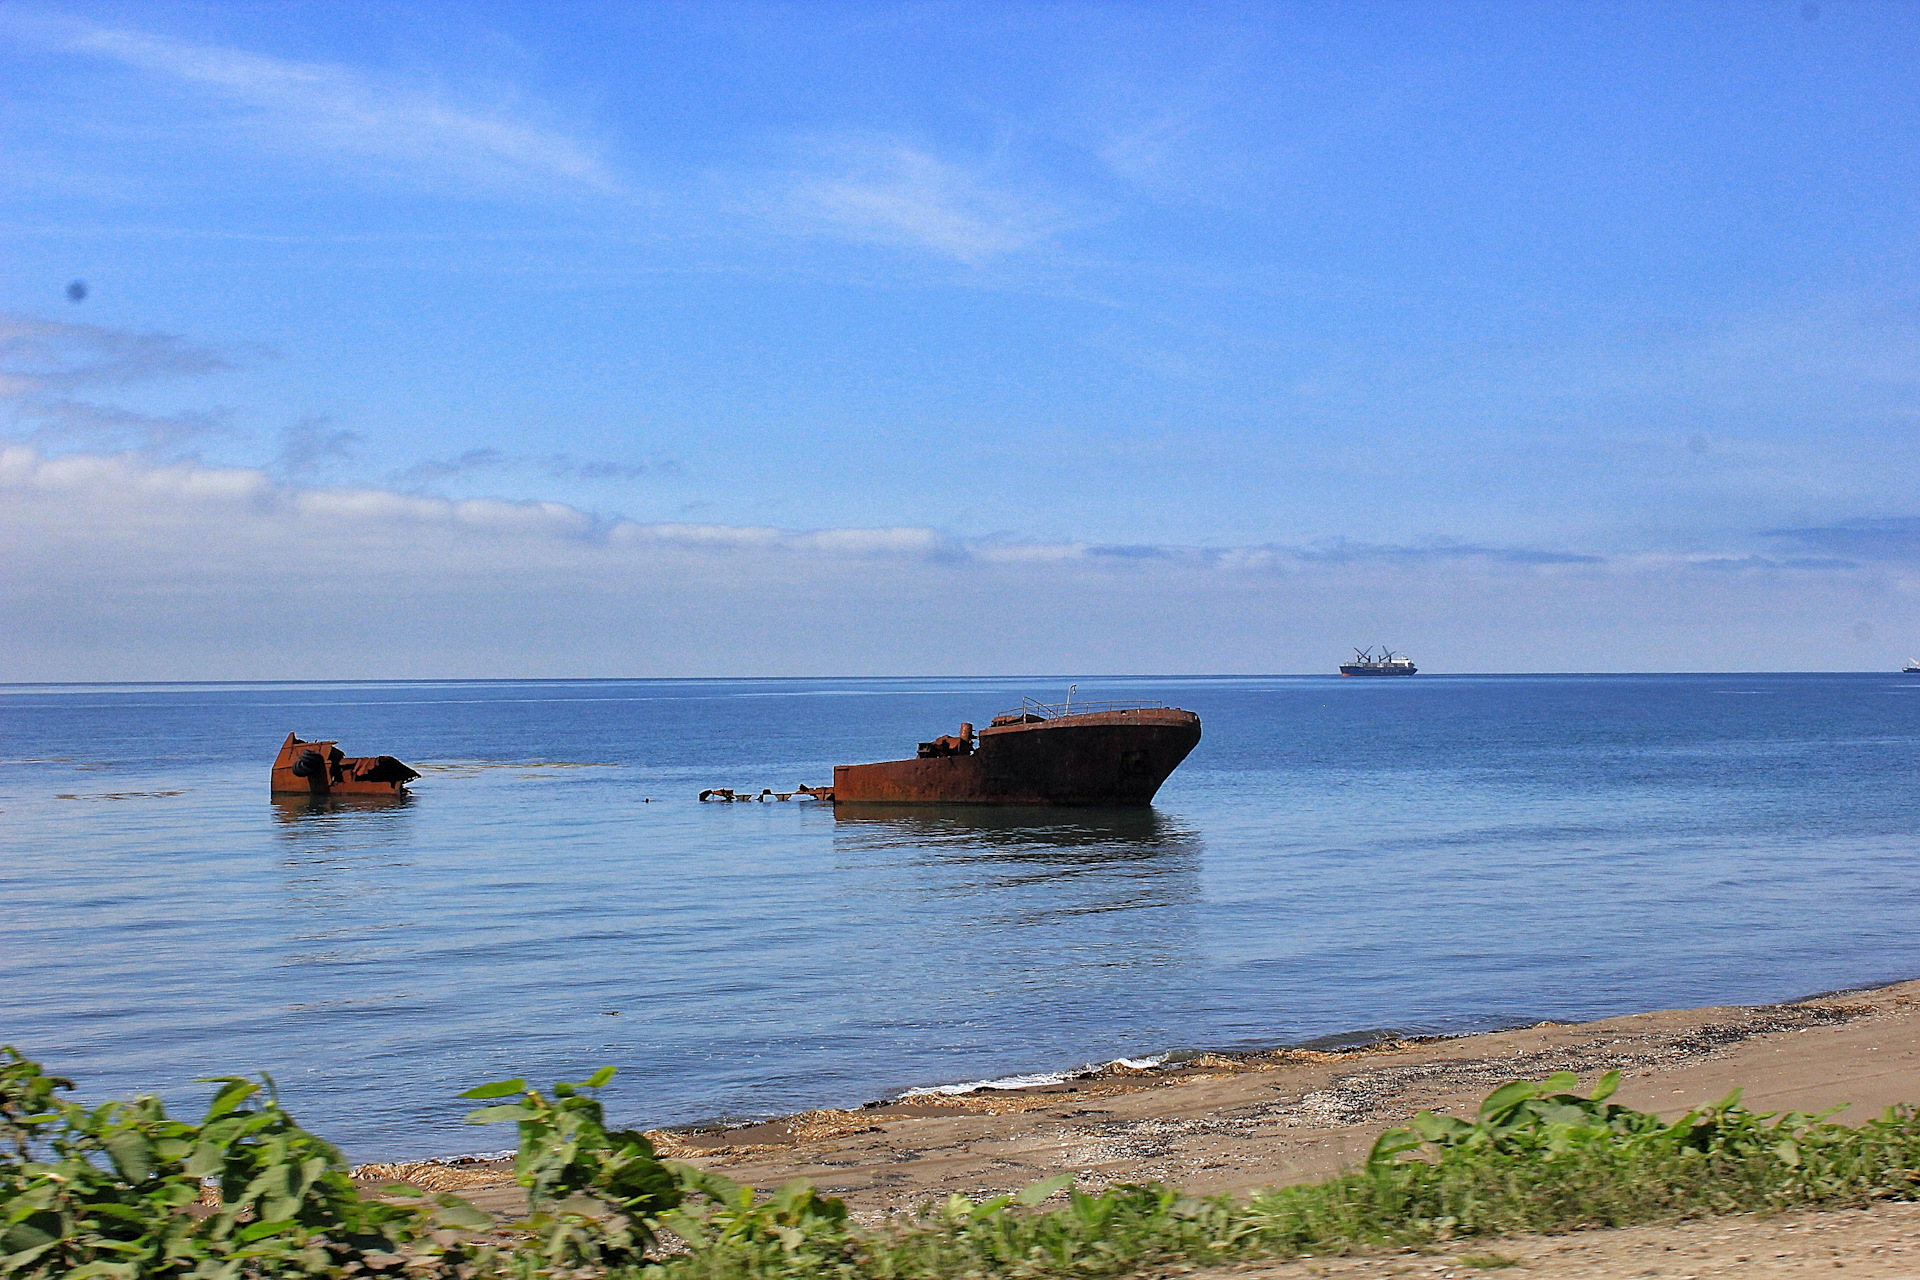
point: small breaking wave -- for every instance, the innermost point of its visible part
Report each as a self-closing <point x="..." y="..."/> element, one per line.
<point x="1037" y="1079"/>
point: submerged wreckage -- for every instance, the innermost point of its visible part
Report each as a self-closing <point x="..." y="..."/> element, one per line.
<point x="1088" y="753"/>
<point x="322" y="769"/>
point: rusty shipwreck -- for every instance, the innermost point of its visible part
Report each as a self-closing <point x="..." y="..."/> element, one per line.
<point x="322" y="769"/>
<point x="1077" y="753"/>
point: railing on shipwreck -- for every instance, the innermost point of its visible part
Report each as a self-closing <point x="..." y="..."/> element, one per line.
<point x="1075" y="707"/>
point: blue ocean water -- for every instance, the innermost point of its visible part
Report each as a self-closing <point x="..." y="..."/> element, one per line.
<point x="1338" y="856"/>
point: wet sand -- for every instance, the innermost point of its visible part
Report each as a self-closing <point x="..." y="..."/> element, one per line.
<point x="1234" y="1122"/>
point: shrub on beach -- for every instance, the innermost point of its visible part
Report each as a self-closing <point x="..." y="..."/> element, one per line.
<point x="118" y="1191"/>
<point x="112" y="1191"/>
<point x="1536" y="1158"/>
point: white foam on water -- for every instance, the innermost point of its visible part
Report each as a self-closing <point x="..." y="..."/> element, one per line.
<point x="1035" y="1080"/>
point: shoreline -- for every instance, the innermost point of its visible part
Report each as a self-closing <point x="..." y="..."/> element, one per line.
<point x="1334" y="1046"/>
<point x="1223" y="1122"/>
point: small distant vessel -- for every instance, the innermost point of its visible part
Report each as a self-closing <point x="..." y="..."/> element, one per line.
<point x="1075" y="753"/>
<point x="1388" y="663"/>
<point x="1913" y="667"/>
<point x="322" y="769"/>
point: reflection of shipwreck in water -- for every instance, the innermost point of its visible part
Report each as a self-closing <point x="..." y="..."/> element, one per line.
<point x="296" y="810"/>
<point x="1101" y="753"/>
<point x="322" y="769"/>
<point x="1122" y="832"/>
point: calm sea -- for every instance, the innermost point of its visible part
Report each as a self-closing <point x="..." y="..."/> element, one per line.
<point x="1337" y="857"/>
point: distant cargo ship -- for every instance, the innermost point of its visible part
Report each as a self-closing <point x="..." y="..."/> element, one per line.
<point x="1076" y="753"/>
<point x="1388" y="663"/>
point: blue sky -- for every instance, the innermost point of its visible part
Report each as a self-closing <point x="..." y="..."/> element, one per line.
<point x="1149" y="338"/>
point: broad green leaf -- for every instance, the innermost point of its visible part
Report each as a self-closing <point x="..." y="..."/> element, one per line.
<point x="132" y="1154"/>
<point x="176" y="1192"/>
<point x="792" y="1192"/>
<point x="987" y="1208"/>
<point x="208" y="1159"/>
<point x="1559" y="1082"/>
<point x="117" y="1270"/>
<point x="235" y="1091"/>
<point x="1392" y="1143"/>
<point x="1439" y="1128"/>
<point x="1514" y="1091"/>
<point x="498" y="1115"/>
<point x="704" y="1181"/>
<point x="124" y="1212"/>
<point x="498" y="1089"/>
<point x="600" y="1077"/>
<point x="1563" y="1113"/>
<point x="1038" y="1191"/>
<point x="14" y="1262"/>
<point x="25" y="1236"/>
<point x="1609" y="1083"/>
<point x="260" y="1230"/>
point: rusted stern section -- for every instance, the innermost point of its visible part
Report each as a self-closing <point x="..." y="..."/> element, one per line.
<point x="322" y="769"/>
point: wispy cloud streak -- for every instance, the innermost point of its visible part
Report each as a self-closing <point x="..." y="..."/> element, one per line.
<point x="1897" y="538"/>
<point x="559" y="466"/>
<point x="335" y="109"/>
<point x="43" y="361"/>
<point x="892" y="193"/>
<point x="50" y="355"/>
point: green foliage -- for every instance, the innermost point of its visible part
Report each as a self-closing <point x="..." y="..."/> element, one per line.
<point x="1525" y="1116"/>
<point x="107" y="1191"/>
<point x="794" y="1231"/>
<point x="1540" y="1120"/>
<point x="1537" y="1157"/>
<point x="596" y="1194"/>
<point x="111" y="1192"/>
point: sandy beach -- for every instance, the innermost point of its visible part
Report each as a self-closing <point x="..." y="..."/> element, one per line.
<point x="1223" y="1123"/>
<point x="1232" y="1122"/>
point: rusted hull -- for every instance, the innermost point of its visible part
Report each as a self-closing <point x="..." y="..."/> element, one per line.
<point x="322" y="769"/>
<point x="1116" y="758"/>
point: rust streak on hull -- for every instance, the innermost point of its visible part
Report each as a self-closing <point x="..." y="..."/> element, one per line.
<point x="1115" y="758"/>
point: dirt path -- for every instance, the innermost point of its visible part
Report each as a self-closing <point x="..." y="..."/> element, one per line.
<point x="1881" y="1242"/>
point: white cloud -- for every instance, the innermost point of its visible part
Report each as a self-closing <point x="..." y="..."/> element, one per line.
<point x="888" y="192"/>
<point x="327" y="108"/>
<point x="120" y="567"/>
